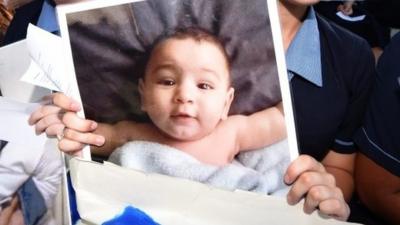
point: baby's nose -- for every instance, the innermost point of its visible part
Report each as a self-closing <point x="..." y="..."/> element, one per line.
<point x="184" y="94"/>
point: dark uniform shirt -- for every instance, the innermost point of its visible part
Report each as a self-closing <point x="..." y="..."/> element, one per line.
<point x="328" y="113"/>
<point x="359" y="22"/>
<point x="379" y="138"/>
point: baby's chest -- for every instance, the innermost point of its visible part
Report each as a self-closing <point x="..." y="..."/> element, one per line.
<point x="220" y="152"/>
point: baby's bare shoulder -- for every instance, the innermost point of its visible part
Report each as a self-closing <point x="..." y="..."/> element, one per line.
<point x="234" y="122"/>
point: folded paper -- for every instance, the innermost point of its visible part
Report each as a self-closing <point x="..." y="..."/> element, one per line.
<point x="104" y="190"/>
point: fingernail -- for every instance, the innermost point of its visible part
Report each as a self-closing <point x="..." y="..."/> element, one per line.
<point x="287" y="179"/>
<point x="75" y="106"/>
<point x="93" y="125"/>
<point x="100" y="141"/>
<point x="289" y="200"/>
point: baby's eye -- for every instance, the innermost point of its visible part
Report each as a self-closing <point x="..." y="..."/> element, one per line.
<point x="167" y="82"/>
<point x="205" y="86"/>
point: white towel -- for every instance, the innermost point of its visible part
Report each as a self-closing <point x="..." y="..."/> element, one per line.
<point x="259" y="170"/>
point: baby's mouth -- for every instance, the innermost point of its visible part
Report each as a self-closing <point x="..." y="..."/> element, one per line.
<point x="182" y="118"/>
<point x="181" y="115"/>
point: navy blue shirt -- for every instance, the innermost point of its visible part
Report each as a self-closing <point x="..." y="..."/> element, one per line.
<point x="379" y="138"/>
<point x="360" y="22"/>
<point x="28" y="13"/>
<point x="328" y="113"/>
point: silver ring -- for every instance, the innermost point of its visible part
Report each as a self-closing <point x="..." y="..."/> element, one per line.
<point x="61" y="135"/>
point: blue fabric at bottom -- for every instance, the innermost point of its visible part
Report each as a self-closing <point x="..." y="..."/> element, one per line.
<point x="72" y="201"/>
<point x="131" y="215"/>
<point x="32" y="202"/>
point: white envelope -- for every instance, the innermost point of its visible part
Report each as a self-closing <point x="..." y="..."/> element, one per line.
<point x="104" y="190"/>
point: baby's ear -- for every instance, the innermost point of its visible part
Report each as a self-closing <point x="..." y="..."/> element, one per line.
<point x="141" y="92"/>
<point x="228" y="101"/>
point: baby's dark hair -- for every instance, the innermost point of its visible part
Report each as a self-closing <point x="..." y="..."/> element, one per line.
<point x="195" y="33"/>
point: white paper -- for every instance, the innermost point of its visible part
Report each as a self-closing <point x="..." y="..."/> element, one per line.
<point x="14" y="124"/>
<point x="35" y="75"/>
<point x="21" y="155"/>
<point x="104" y="190"/>
<point x="14" y="61"/>
<point x="48" y="66"/>
<point x="41" y="162"/>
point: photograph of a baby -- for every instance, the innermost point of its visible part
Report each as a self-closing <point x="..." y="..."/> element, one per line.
<point x="184" y="88"/>
<point x="187" y="95"/>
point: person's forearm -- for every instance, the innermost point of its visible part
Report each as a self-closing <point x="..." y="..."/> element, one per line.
<point x="344" y="181"/>
<point x="387" y="206"/>
<point x="378" y="189"/>
<point x="341" y="166"/>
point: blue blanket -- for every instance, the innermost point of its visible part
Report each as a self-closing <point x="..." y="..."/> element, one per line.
<point x="259" y="170"/>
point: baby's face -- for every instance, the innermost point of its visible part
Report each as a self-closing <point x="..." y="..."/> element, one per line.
<point x="186" y="90"/>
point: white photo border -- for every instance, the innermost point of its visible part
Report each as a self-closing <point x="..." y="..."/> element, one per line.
<point x="64" y="10"/>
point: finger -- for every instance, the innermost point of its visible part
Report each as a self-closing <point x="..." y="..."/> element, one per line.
<point x="305" y="182"/>
<point x="8" y="211"/>
<point x="84" y="138"/>
<point x="73" y="121"/>
<point x="70" y="146"/>
<point x="54" y="129"/>
<point x="65" y="102"/>
<point x="47" y="121"/>
<point x="47" y="99"/>
<point x="335" y="208"/>
<point x="318" y="194"/>
<point x="302" y="164"/>
<point x="77" y="153"/>
<point x="14" y="202"/>
<point x="43" y="111"/>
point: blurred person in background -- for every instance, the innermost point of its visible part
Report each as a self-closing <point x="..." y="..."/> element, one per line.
<point x="353" y="16"/>
<point x="28" y="205"/>
<point x="378" y="163"/>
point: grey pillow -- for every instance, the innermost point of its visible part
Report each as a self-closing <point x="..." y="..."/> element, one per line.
<point x="108" y="46"/>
